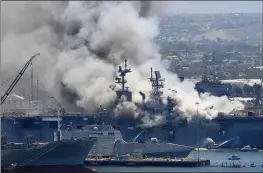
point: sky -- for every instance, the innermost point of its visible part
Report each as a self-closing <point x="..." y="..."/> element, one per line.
<point x="214" y="7"/>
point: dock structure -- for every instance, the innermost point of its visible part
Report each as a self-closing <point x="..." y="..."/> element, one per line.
<point x="148" y="162"/>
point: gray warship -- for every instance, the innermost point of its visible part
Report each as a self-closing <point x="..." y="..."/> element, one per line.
<point x="59" y="152"/>
<point x="214" y="86"/>
<point x="245" y="127"/>
<point x="64" y="152"/>
<point x="109" y="143"/>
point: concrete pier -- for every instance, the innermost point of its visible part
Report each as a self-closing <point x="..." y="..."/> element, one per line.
<point x="147" y="162"/>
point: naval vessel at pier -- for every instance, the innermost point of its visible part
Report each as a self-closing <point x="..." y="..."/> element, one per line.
<point x="246" y="128"/>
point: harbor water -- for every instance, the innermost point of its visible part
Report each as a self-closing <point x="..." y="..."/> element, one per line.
<point x="218" y="159"/>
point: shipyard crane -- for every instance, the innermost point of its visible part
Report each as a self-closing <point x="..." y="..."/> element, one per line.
<point x="20" y="74"/>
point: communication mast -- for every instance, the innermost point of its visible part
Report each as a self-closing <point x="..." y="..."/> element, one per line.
<point x="122" y="73"/>
<point x="122" y="81"/>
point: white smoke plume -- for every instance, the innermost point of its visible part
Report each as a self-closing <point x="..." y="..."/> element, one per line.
<point x="151" y="121"/>
<point x="208" y="106"/>
<point x="81" y="45"/>
<point x="126" y="108"/>
<point x="102" y="34"/>
<point x="186" y="96"/>
<point x="184" y="93"/>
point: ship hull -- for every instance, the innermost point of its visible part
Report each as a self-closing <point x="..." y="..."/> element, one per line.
<point x="153" y="149"/>
<point x="243" y="131"/>
<point x="235" y="133"/>
<point x="50" y="169"/>
<point x="67" y="152"/>
<point x="214" y="89"/>
<point x="233" y="138"/>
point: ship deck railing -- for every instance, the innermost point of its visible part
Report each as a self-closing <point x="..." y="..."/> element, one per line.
<point x="24" y="114"/>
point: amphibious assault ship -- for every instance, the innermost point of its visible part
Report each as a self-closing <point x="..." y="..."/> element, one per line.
<point x="211" y="84"/>
<point x="214" y="86"/>
<point x="246" y="128"/>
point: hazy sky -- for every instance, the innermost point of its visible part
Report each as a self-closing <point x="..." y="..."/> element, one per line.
<point x="214" y="6"/>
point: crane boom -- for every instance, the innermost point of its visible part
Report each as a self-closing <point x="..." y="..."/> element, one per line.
<point x="20" y="74"/>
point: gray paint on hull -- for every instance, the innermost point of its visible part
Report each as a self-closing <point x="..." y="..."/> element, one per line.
<point x="68" y="152"/>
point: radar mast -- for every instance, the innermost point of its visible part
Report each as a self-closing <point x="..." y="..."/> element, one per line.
<point x="122" y="73"/>
<point x="122" y="81"/>
<point x="157" y="83"/>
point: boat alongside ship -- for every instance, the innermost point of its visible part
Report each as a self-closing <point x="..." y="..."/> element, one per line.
<point x="234" y="157"/>
<point x="249" y="148"/>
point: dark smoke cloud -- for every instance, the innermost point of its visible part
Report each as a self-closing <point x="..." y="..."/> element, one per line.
<point x="69" y="98"/>
<point x="145" y="9"/>
<point x="82" y="42"/>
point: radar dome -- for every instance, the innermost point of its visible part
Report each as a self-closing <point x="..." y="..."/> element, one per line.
<point x="208" y="141"/>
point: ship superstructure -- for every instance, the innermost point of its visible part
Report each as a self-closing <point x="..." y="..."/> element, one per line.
<point x="109" y="142"/>
<point x="155" y="102"/>
<point x="122" y="81"/>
